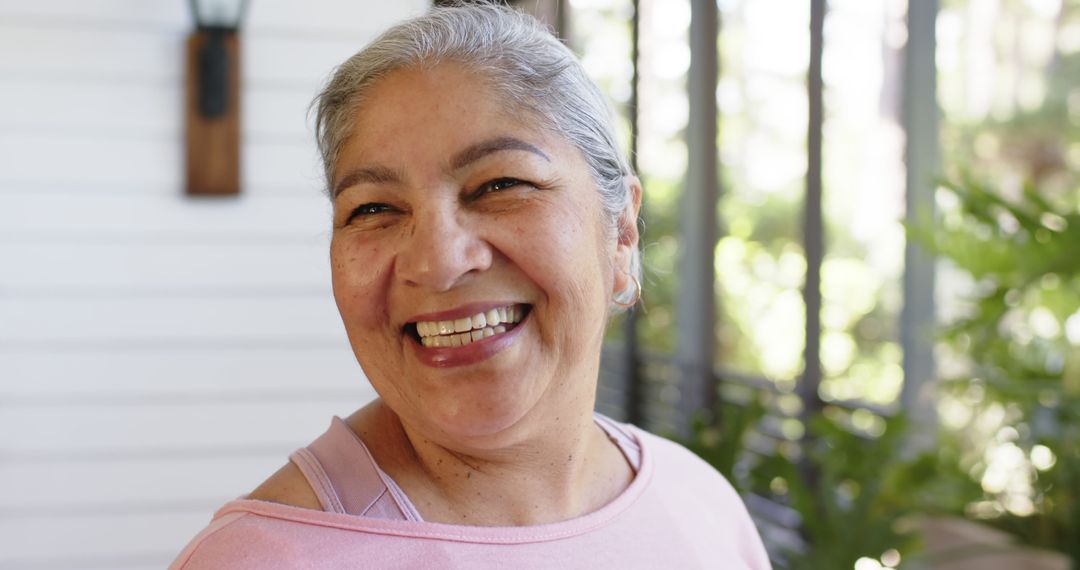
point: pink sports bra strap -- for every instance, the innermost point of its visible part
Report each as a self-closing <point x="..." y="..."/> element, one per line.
<point x="344" y="476"/>
<point x="621" y="437"/>
<point x="318" y="480"/>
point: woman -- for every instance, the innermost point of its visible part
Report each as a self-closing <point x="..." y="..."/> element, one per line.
<point x="485" y="225"/>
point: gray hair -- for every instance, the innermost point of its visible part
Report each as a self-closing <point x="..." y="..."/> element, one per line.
<point x="533" y="71"/>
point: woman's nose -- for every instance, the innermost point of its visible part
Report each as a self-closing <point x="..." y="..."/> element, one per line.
<point x="440" y="250"/>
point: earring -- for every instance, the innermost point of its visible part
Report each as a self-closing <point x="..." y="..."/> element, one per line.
<point x="625" y="299"/>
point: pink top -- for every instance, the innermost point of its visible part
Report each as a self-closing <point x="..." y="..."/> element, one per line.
<point x="677" y="513"/>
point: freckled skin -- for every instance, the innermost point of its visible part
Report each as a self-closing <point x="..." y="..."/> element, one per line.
<point x="438" y="238"/>
<point x="538" y="246"/>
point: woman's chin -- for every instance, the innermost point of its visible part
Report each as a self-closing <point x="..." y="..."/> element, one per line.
<point x="479" y="428"/>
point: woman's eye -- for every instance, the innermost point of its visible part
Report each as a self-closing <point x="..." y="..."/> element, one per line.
<point x="368" y="210"/>
<point x="497" y="185"/>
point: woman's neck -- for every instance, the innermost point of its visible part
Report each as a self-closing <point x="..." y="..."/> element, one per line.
<point x="570" y="470"/>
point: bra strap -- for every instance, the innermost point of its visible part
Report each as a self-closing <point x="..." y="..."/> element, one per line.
<point x="346" y="479"/>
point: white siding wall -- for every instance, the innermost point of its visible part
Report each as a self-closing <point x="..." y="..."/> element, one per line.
<point x="159" y="354"/>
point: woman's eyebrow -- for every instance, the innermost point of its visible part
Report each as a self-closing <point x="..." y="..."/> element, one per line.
<point x="371" y="174"/>
<point x="497" y="144"/>
<point x="384" y="175"/>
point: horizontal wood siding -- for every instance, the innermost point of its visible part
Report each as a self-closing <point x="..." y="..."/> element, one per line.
<point x="159" y="354"/>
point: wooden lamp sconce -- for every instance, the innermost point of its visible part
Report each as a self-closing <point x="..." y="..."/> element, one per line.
<point x="213" y="99"/>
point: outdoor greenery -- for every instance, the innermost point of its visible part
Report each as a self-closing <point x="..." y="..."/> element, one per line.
<point x="853" y="491"/>
<point x="1009" y="235"/>
<point x="1007" y="231"/>
<point x="1013" y="405"/>
<point x="1009" y="445"/>
<point x="720" y="438"/>
<point x="853" y="499"/>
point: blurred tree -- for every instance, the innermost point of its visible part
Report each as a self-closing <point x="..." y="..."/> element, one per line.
<point x="1011" y="388"/>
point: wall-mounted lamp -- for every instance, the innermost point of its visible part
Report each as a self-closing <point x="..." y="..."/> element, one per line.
<point x="213" y="97"/>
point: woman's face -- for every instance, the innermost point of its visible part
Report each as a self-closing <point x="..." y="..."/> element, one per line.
<point x="452" y="212"/>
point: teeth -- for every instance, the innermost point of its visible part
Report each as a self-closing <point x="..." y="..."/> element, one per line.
<point x="460" y="332"/>
<point x="462" y="325"/>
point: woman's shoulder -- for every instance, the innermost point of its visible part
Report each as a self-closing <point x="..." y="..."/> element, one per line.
<point x="287" y="486"/>
<point x="235" y="538"/>
<point x="247" y="534"/>
<point x="679" y="467"/>
<point x="291" y="485"/>
<point x="708" y="505"/>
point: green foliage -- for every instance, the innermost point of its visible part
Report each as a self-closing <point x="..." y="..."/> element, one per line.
<point x="720" y="438"/>
<point x="853" y="493"/>
<point x="1021" y="249"/>
<point x="1011" y="242"/>
<point x="1023" y="255"/>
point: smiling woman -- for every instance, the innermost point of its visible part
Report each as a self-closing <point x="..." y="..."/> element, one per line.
<point x="485" y="226"/>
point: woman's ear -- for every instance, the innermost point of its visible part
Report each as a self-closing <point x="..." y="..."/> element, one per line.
<point x="628" y="234"/>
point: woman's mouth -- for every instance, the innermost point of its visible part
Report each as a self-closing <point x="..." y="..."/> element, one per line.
<point x="467" y="330"/>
